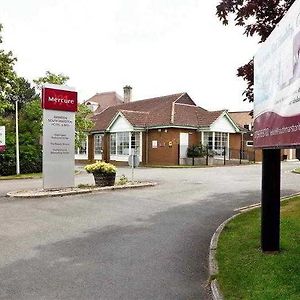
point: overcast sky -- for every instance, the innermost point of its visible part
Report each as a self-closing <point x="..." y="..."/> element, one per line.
<point x="159" y="47"/>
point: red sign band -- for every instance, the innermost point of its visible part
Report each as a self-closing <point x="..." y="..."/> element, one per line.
<point x="59" y="99"/>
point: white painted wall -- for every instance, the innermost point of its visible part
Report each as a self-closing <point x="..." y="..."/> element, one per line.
<point x="222" y="124"/>
<point x="121" y="125"/>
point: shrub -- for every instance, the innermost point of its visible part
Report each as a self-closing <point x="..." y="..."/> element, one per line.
<point x="101" y="167"/>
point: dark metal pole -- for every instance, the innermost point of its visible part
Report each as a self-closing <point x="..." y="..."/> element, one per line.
<point x="224" y="149"/>
<point x="206" y="155"/>
<point x="270" y="201"/>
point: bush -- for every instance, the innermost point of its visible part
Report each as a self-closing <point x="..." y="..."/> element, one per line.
<point x="101" y="167"/>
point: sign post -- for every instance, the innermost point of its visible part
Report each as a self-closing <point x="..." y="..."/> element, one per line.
<point x="59" y="107"/>
<point x="2" y="138"/>
<point x="276" y="114"/>
<point x="133" y="161"/>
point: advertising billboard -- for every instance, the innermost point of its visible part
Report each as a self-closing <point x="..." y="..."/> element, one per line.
<point x="59" y="105"/>
<point x="2" y="138"/>
<point x="277" y="85"/>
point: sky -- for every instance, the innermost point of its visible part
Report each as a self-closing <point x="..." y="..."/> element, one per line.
<point x="159" y="47"/>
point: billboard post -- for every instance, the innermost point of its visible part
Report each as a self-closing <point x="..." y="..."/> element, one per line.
<point x="59" y="106"/>
<point x="270" y="201"/>
<point x="276" y="114"/>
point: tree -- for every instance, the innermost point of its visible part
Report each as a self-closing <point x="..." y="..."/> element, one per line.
<point x="257" y="17"/>
<point x="7" y="76"/>
<point x="83" y="124"/>
<point x="51" y="78"/>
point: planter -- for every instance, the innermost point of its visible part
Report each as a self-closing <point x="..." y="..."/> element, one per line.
<point x="104" y="179"/>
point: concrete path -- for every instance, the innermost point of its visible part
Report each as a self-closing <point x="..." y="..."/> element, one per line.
<point x="149" y="243"/>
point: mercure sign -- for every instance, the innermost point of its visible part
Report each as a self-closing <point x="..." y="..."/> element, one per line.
<point x="59" y="106"/>
<point x="2" y="138"/>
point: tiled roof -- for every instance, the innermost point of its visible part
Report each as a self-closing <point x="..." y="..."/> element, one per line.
<point x="171" y="110"/>
<point x="241" y="117"/>
<point x="105" y="100"/>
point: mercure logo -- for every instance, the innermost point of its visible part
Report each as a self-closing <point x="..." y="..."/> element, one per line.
<point x="57" y="99"/>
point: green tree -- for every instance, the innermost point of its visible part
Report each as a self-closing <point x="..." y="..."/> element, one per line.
<point x="7" y="76"/>
<point x="51" y="78"/>
<point x="83" y="124"/>
<point x="258" y="18"/>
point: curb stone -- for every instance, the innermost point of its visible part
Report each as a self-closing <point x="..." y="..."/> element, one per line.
<point x="73" y="191"/>
<point x="213" y="264"/>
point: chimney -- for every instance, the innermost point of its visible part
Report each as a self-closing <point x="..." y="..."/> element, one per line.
<point x="127" y="93"/>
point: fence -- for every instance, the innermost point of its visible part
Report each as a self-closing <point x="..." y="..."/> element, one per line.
<point x="227" y="156"/>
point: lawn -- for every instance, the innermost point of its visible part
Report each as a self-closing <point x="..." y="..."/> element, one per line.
<point x="245" y="272"/>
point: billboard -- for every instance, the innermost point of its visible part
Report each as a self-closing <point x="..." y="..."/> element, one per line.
<point x="59" y="105"/>
<point x="277" y="85"/>
<point x="2" y="138"/>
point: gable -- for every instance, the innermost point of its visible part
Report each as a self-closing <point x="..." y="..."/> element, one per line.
<point x="223" y="124"/>
<point x="120" y="124"/>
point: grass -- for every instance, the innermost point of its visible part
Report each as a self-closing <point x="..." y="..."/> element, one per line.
<point x="245" y="272"/>
<point x="22" y="176"/>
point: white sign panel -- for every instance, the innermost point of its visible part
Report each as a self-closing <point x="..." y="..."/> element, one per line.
<point x="2" y="135"/>
<point x="2" y="138"/>
<point x="58" y="149"/>
<point x="59" y="106"/>
<point x="277" y="85"/>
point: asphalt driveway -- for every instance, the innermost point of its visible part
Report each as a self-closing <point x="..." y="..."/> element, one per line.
<point x="149" y="243"/>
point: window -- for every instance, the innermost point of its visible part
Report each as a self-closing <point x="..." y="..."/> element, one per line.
<point x="220" y="142"/>
<point x="208" y="139"/>
<point x="98" y="143"/>
<point x="122" y="142"/>
<point x="113" y="138"/>
<point x="135" y="142"/>
<point x="215" y="141"/>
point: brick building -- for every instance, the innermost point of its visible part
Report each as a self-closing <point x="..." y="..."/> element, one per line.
<point x="159" y="130"/>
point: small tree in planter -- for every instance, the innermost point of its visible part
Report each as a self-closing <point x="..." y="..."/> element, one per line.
<point x="104" y="173"/>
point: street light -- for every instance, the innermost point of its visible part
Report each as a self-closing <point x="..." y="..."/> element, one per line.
<point x="17" y="138"/>
<point x="16" y="100"/>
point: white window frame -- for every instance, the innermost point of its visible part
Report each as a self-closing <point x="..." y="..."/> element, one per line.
<point x="98" y="156"/>
<point x="214" y="140"/>
<point x="124" y="157"/>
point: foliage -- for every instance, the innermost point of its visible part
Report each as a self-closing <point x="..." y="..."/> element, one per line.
<point x="101" y="167"/>
<point x="51" y="78"/>
<point x="257" y="18"/>
<point x="83" y="124"/>
<point x="7" y="76"/>
<point x="29" y="137"/>
<point x="122" y="180"/>
<point x="245" y="272"/>
<point x="199" y="151"/>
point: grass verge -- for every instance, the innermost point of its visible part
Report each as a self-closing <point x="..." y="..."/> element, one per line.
<point x="245" y="272"/>
<point x="22" y="176"/>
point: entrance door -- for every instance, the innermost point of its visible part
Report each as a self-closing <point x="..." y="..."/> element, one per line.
<point x="183" y="146"/>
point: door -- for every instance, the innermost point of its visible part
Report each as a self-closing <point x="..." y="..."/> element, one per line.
<point x="183" y="146"/>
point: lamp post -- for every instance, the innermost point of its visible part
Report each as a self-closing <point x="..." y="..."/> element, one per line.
<point x="17" y="139"/>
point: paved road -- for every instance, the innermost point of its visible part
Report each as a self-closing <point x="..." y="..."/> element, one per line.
<point x="147" y="243"/>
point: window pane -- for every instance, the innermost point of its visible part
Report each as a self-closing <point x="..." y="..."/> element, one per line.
<point x="122" y="143"/>
<point x="135" y="142"/>
<point x="113" y="144"/>
<point x="98" y="143"/>
<point x="208" y="139"/>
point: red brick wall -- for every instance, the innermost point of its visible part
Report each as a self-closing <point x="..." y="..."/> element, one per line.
<point x="167" y="149"/>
